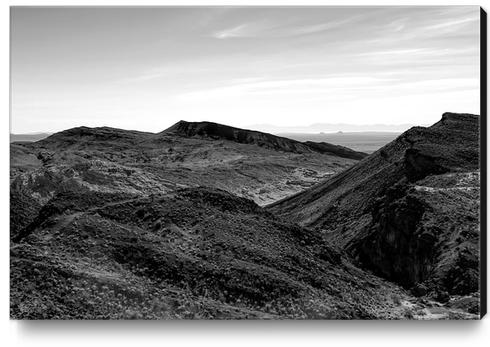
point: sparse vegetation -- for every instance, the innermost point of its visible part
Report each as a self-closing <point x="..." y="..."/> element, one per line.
<point x="117" y="224"/>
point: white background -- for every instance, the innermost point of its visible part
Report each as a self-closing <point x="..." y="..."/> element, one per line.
<point x="214" y="333"/>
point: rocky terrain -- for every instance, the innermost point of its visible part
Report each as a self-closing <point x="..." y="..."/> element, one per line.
<point x="115" y="224"/>
<point x="195" y="253"/>
<point x="220" y="132"/>
<point x="258" y="166"/>
<point x="409" y="212"/>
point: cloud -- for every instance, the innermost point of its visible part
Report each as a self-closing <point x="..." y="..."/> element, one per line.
<point x="338" y="86"/>
<point x="294" y="87"/>
<point x="242" y="30"/>
<point x="454" y="24"/>
<point x="276" y="30"/>
<point x="328" y="25"/>
<point x="396" y="52"/>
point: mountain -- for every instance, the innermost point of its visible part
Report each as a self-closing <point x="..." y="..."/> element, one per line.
<point x="115" y="224"/>
<point x="409" y="212"/>
<point x="224" y="132"/>
<point x="197" y="253"/>
<point x="259" y="166"/>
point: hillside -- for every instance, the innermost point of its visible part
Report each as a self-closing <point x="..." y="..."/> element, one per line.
<point x="116" y="160"/>
<point x="196" y="253"/>
<point x="219" y="131"/>
<point x="409" y="212"/>
<point x="115" y="224"/>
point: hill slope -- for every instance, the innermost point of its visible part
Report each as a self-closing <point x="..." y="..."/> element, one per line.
<point x="195" y="253"/>
<point x="409" y="211"/>
<point x="115" y="160"/>
<point x="219" y="131"/>
<point x="108" y="223"/>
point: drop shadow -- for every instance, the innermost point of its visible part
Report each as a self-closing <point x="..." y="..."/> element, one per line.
<point x="36" y="329"/>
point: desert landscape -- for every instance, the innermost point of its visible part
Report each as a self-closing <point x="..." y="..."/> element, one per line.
<point x="208" y="221"/>
<point x="248" y="163"/>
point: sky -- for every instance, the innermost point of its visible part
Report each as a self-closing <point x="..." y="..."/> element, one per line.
<point x="147" y="68"/>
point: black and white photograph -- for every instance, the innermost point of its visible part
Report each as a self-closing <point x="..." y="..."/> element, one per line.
<point x="247" y="163"/>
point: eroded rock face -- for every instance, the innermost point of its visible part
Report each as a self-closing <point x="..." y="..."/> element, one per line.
<point x="426" y="235"/>
<point x="398" y="246"/>
<point x="419" y="165"/>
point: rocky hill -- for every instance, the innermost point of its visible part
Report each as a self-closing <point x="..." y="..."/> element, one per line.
<point x="219" y="131"/>
<point x="409" y="212"/>
<point x="197" y="253"/>
<point x="115" y="224"/>
<point x="116" y="160"/>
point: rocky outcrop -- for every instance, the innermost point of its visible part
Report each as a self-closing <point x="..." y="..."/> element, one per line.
<point x="410" y="211"/>
<point x="422" y="238"/>
<point x="418" y="165"/>
<point x="225" y="132"/>
<point x="396" y="246"/>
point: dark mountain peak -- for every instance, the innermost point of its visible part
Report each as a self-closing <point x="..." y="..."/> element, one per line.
<point x="185" y="128"/>
<point x="224" y="132"/>
<point x="450" y="145"/>
<point x="463" y="121"/>
<point x="459" y="117"/>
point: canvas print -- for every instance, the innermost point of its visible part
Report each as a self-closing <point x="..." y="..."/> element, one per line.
<point x="173" y="163"/>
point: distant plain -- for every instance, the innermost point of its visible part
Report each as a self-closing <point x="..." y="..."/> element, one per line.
<point x="367" y="142"/>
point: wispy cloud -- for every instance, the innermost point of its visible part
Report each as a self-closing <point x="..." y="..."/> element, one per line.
<point x="276" y="30"/>
<point x="242" y="30"/>
<point x="395" y="52"/>
<point x="388" y="63"/>
<point x="340" y="86"/>
<point x="257" y="87"/>
<point x="420" y="52"/>
<point x="320" y="27"/>
<point x="454" y="24"/>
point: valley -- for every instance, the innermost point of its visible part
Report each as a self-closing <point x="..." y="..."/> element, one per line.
<point x="206" y="221"/>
